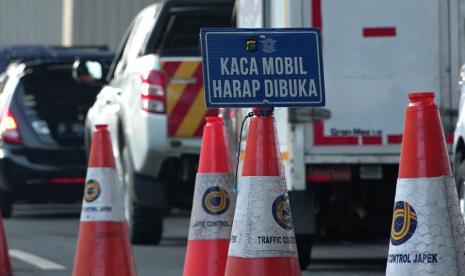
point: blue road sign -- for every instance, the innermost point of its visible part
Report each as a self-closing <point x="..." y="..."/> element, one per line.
<point x="262" y="67"/>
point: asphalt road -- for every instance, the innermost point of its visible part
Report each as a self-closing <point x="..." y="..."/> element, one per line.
<point x="42" y="241"/>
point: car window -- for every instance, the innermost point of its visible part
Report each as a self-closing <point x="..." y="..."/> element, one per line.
<point x="122" y="54"/>
<point x="121" y="57"/>
<point x="180" y="34"/>
<point x="118" y="57"/>
<point x="136" y="37"/>
<point x="3" y="96"/>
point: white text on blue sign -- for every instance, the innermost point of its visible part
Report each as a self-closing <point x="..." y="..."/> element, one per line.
<point x="271" y="66"/>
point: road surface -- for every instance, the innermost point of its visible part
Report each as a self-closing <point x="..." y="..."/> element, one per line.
<point x="42" y="241"/>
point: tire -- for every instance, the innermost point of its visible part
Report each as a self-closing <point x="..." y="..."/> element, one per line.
<point x="147" y="225"/>
<point x="87" y="142"/>
<point x="6" y="205"/>
<point x="304" y="249"/>
<point x="459" y="174"/>
<point x="145" y="222"/>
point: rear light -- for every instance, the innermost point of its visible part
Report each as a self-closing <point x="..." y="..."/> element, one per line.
<point x="329" y="173"/>
<point x="153" y="92"/>
<point x="9" y="130"/>
<point x="319" y="176"/>
<point x="68" y="180"/>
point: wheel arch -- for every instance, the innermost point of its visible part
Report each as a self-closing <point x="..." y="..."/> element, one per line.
<point x="121" y="135"/>
<point x="459" y="153"/>
<point x="458" y="170"/>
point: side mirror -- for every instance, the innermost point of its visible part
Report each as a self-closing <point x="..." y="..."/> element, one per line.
<point x="88" y="71"/>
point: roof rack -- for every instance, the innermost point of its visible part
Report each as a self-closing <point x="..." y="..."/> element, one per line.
<point x="27" y="53"/>
<point x="98" y="47"/>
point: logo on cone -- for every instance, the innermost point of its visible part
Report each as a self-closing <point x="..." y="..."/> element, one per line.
<point x="404" y="223"/>
<point x="92" y="190"/>
<point x="282" y="212"/>
<point x="215" y="200"/>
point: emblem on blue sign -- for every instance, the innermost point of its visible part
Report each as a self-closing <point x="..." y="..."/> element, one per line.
<point x="268" y="45"/>
<point x="404" y="223"/>
<point x="251" y="44"/>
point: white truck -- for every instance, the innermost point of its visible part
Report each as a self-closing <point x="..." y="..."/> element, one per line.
<point x="342" y="160"/>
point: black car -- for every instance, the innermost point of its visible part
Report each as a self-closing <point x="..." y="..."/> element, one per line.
<point x="42" y="113"/>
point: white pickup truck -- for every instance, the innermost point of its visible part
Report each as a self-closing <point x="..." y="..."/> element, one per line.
<point x="153" y="102"/>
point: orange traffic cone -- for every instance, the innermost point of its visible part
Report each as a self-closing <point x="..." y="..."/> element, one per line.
<point x="213" y="206"/>
<point x="262" y="238"/>
<point x="103" y="246"/>
<point x="428" y="233"/>
<point x="5" y="265"/>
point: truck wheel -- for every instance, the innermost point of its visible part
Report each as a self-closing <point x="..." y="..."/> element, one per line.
<point x="304" y="248"/>
<point x="459" y="181"/>
<point x="6" y="205"/>
<point x="145" y="223"/>
<point x="87" y="142"/>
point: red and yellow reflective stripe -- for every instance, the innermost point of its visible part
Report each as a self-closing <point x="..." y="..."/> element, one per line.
<point x="194" y="116"/>
<point x="175" y="90"/>
<point x="185" y="98"/>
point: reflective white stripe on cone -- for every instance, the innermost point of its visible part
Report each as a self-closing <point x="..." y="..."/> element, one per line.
<point x="102" y="202"/>
<point x="213" y="208"/>
<point x="428" y="233"/>
<point x="263" y="229"/>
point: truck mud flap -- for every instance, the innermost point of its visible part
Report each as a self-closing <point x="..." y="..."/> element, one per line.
<point x="303" y="211"/>
<point x="150" y="192"/>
